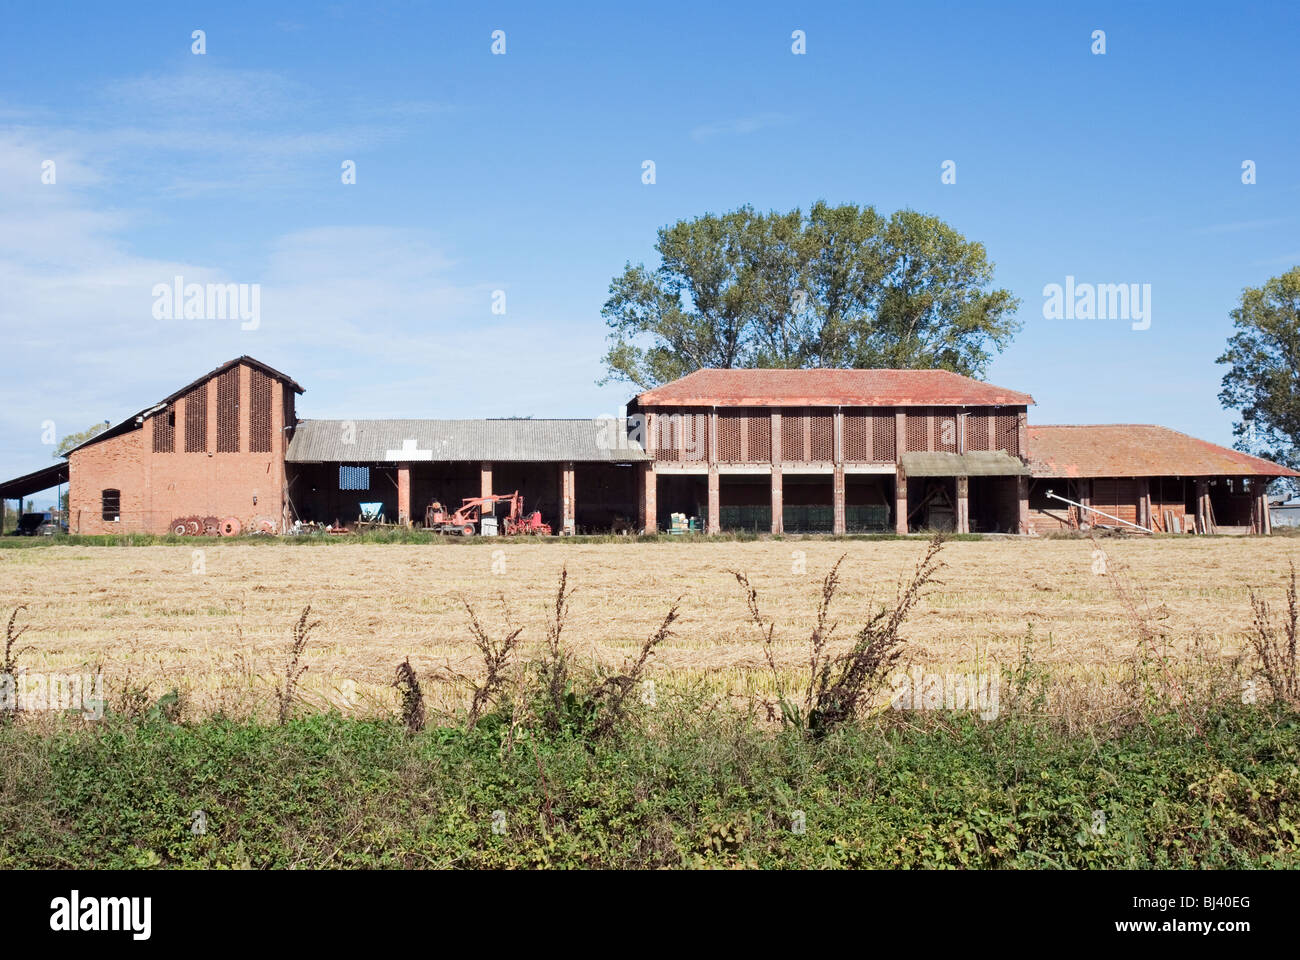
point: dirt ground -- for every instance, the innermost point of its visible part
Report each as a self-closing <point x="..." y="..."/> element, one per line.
<point x="216" y="623"/>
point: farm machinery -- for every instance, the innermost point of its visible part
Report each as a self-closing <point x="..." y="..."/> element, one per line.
<point x="467" y="519"/>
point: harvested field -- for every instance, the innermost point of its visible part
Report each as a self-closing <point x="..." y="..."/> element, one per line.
<point x="220" y="634"/>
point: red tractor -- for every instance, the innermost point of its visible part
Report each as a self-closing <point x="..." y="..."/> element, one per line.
<point x="466" y="519"/>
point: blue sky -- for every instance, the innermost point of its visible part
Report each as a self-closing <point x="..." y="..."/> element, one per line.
<point x="522" y="173"/>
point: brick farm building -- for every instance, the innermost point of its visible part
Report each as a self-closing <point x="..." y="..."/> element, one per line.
<point x="775" y="451"/>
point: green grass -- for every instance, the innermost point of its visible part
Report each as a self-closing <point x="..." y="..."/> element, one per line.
<point x="693" y="788"/>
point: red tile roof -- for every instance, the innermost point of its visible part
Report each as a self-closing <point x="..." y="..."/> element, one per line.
<point x="822" y="387"/>
<point x="1137" y="450"/>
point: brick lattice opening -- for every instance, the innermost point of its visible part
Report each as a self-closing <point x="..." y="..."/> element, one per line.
<point x="228" y="411"/>
<point x="196" y="420"/>
<point x="259" y="412"/>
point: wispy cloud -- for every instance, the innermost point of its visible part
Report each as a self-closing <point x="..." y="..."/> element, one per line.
<point x="738" y="127"/>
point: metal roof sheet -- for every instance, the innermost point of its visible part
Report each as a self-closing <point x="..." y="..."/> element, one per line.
<point x="1137" y="450"/>
<point x="974" y="463"/>
<point x="34" y="482"/>
<point x="826" y="387"/>
<point x="376" y="441"/>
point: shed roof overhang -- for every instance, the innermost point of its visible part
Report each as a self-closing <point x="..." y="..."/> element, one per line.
<point x="34" y="482"/>
<point x="976" y="463"/>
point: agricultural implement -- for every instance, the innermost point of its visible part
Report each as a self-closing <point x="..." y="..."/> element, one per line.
<point x="466" y="520"/>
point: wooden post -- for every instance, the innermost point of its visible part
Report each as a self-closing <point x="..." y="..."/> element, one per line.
<point x="963" y="505"/>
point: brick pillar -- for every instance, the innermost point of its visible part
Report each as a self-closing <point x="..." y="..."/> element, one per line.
<point x="963" y="505"/>
<point x="1085" y="498"/>
<point x="900" y="501"/>
<point x="649" y="506"/>
<point x="715" y="502"/>
<point x="568" y="500"/>
<point x="1202" y="514"/>
<point x="485" y="479"/>
<point x="778" y="501"/>
<point x="1144" y="503"/>
<point x="1022" y="490"/>
<point x="837" y="500"/>
<point x="404" y="494"/>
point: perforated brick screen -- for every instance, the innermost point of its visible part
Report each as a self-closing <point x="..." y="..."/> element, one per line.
<point x="228" y="411"/>
<point x="164" y="430"/>
<point x="259" y="413"/>
<point x="196" y="419"/>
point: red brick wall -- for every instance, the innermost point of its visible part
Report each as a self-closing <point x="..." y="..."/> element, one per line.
<point x="159" y="488"/>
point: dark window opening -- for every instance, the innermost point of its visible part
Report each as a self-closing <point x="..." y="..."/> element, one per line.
<point x="110" y="502"/>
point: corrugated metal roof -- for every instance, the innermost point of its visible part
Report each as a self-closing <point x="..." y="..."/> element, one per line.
<point x="975" y="463"/>
<point x="34" y="482"/>
<point x="377" y="441"/>
<point x="777" y="388"/>
<point x="1137" y="450"/>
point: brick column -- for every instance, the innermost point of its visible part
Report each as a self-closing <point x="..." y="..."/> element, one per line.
<point x="1085" y="498"/>
<point x="1144" y="503"/>
<point x="837" y="500"/>
<point x="715" y="501"/>
<point x="1022" y="490"/>
<point x="404" y="494"/>
<point x="568" y="501"/>
<point x="485" y="479"/>
<point x="778" y="501"/>
<point x="1202" y="497"/>
<point x="900" y="501"/>
<point x="963" y="505"/>
<point x="649" y="506"/>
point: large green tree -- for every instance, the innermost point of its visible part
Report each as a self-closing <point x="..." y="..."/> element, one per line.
<point x="840" y="286"/>
<point x="1263" y="380"/>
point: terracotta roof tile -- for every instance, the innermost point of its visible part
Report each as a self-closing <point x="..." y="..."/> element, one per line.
<point x="1137" y="450"/>
<point x="824" y="387"/>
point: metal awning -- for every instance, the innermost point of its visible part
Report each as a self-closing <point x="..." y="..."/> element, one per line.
<point x="35" y="482"/>
<point x="976" y="463"/>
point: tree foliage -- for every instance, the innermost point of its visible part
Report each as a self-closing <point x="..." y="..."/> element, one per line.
<point x="1263" y="380"/>
<point x="76" y="439"/>
<point x="842" y="286"/>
